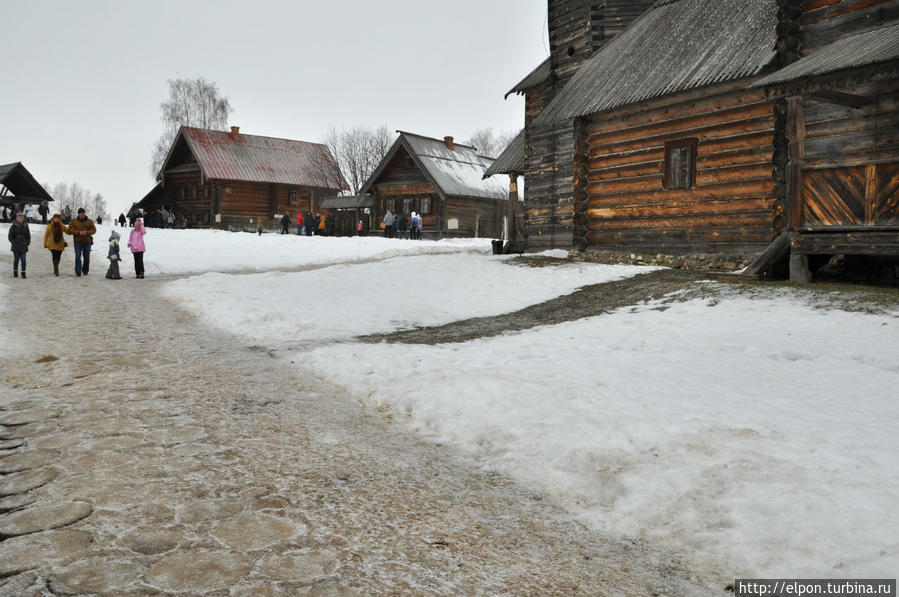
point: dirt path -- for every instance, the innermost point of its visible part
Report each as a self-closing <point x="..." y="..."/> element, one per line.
<point x="142" y="454"/>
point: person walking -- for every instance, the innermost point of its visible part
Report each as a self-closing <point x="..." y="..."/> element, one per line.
<point x="82" y="230"/>
<point x="19" y="239"/>
<point x="121" y="220"/>
<point x="137" y="246"/>
<point x="322" y="224"/>
<point x="54" y="240"/>
<point x="388" y="224"/>
<point x="44" y="210"/>
<point x="285" y="223"/>
<point x="259" y="226"/>
<point x="301" y="226"/>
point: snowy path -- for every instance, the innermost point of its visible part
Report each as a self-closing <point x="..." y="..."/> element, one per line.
<point x="175" y="459"/>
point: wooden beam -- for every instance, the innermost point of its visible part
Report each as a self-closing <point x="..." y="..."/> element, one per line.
<point x="842" y="99"/>
<point x="796" y="136"/>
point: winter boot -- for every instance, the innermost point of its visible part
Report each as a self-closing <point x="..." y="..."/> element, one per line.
<point x="23" y="274"/>
<point x="15" y="273"/>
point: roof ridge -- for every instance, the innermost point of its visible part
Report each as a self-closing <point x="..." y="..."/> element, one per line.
<point x="435" y="139"/>
<point x="242" y="134"/>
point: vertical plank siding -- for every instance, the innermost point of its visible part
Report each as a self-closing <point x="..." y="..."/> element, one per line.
<point x="730" y="209"/>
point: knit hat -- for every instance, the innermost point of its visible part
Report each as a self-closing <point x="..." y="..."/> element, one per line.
<point x="20" y="214"/>
<point x="81" y="210"/>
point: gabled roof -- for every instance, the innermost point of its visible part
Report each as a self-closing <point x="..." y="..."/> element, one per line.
<point x="24" y="187"/>
<point x="347" y="202"/>
<point x="675" y="45"/>
<point x="534" y="78"/>
<point x="860" y="49"/>
<point x="456" y="172"/>
<point x="511" y="159"/>
<point x="222" y="155"/>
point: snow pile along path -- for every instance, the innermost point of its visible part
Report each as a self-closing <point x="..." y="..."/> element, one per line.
<point x="342" y="301"/>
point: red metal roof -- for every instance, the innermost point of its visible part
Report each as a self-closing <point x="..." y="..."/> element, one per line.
<point x="224" y="156"/>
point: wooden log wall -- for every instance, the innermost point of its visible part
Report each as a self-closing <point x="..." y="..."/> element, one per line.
<point x="577" y="29"/>
<point x="824" y="21"/>
<point x="730" y="209"/>
<point x="837" y="135"/>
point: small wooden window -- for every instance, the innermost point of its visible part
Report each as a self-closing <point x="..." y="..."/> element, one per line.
<point x="227" y="189"/>
<point x="425" y="205"/>
<point x="182" y="192"/>
<point x="292" y="195"/>
<point x="680" y="164"/>
<point x="406" y="203"/>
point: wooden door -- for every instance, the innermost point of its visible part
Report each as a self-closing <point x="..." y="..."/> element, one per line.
<point x="857" y="196"/>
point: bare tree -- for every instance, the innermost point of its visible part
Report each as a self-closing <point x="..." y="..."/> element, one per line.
<point x="488" y="143"/>
<point x="98" y="205"/>
<point x="358" y="151"/>
<point x="192" y="102"/>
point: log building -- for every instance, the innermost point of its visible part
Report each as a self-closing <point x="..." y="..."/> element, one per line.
<point x="227" y="179"/>
<point x="730" y="127"/>
<point x="577" y="30"/>
<point x="441" y="180"/>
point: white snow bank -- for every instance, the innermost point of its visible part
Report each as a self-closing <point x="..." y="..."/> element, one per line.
<point x="755" y="437"/>
<point x="342" y="301"/>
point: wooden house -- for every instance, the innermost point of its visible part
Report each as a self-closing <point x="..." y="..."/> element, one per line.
<point x="441" y="180"/>
<point x="226" y="179"/>
<point x="735" y="127"/>
<point x="672" y="148"/>
<point x="19" y="188"/>
<point x="544" y="154"/>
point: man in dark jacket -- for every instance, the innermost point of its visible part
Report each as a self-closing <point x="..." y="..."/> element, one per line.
<point x="285" y="223"/>
<point x="83" y="230"/>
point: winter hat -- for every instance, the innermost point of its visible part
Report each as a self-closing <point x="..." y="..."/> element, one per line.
<point x="81" y="210"/>
<point x="20" y="214"/>
<point x="114" y="236"/>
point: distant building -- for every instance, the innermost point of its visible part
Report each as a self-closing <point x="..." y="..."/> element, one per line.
<point x="225" y="179"/>
<point x="443" y="181"/>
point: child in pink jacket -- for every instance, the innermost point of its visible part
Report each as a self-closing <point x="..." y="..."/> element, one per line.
<point x="136" y="244"/>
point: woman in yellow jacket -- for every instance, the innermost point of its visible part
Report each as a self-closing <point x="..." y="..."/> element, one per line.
<point x="54" y="240"/>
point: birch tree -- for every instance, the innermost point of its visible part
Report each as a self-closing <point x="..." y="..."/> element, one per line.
<point x="192" y="102"/>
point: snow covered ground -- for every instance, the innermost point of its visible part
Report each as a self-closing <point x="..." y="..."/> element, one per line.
<point x="753" y="435"/>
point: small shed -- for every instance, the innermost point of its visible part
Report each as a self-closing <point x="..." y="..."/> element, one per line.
<point x="348" y="211"/>
<point x="444" y="182"/>
<point x="225" y="179"/>
<point x="19" y="188"/>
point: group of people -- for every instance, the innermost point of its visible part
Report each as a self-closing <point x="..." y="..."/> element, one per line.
<point x="399" y="226"/>
<point x="82" y="230"/>
<point x="309" y="224"/>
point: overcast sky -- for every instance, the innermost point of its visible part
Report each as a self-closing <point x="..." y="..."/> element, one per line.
<point x="82" y="81"/>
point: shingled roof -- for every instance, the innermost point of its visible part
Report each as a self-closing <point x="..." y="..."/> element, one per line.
<point x="456" y="172"/>
<point x="511" y="159"/>
<point x="675" y="45"/>
<point x="236" y="156"/>
<point x="861" y="49"/>
<point x="533" y="78"/>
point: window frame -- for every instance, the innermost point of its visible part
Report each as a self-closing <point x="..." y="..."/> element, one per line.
<point x="692" y="144"/>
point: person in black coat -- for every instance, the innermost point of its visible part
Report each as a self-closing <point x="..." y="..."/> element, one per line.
<point x="285" y="223"/>
<point x="19" y="239"/>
